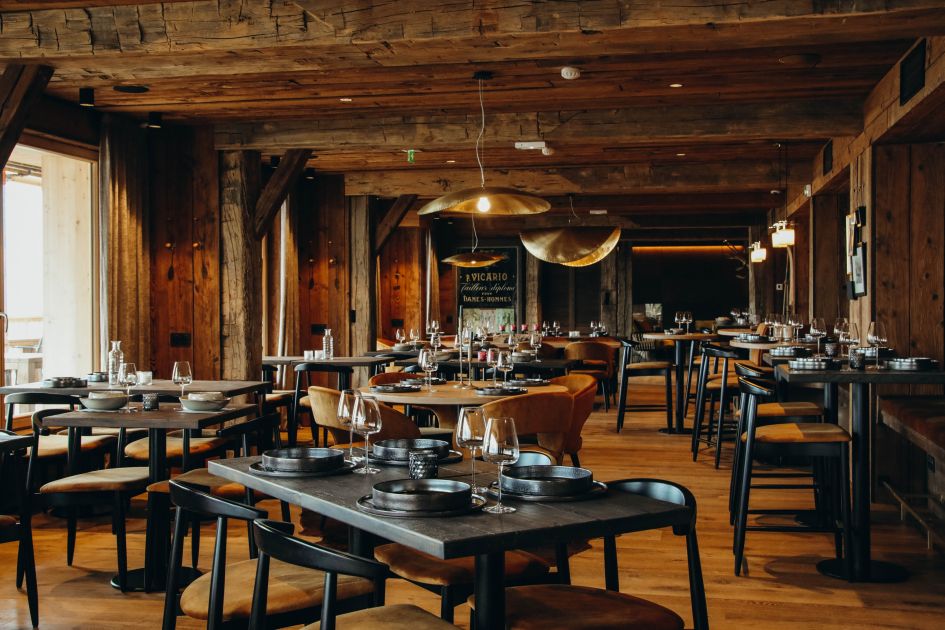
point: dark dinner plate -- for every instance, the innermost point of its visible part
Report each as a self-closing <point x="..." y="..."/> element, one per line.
<point x="395" y="389"/>
<point x="500" y="391"/>
<point x="599" y="489"/>
<point x="451" y="458"/>
<point x="400" y="449"/>
<point x="258" y="469"/>
<point x="365" y="504"/>
<point x="302" y="459"/>
<point x="421" y="495"/>
<point x="547" y="480"/>
<point x="529" y="382"/>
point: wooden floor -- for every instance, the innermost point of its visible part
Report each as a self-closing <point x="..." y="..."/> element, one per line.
<point x="781" y="590"/>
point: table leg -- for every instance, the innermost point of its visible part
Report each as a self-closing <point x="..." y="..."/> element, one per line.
<point x="692" y="356"/>
<point x="622" y="391"/>
<point x="865" y="569"/>
<point x="680" y="365"/>
<point x="490" y="590"/>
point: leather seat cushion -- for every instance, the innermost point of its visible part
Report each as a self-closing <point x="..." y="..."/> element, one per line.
<point x="715" y="384"/>
<point x="305" y="401"/>
<point x="218" y="486"/>
<point x="598" y="374"/>
<point x="128" y="479"/>
<point x="175" y="447"/>
<point x="544" y="606"/>
<point x="394" y="617"/>
<point x="58" y="445"/>
<point x="650" y="365"/>
<point x="7" y="522"/>
<point x="789" y="409"/>
<point x="426" y="569"/>
<point x="291" y="588"/>
<point x="800" y="433"/>
<point x="437" y="433"/>
<point x="280" y="397"/>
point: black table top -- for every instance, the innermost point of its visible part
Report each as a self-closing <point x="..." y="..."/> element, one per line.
<point x="169" y="416"/>
<point x="157" y="386"/>
<point x="845" y="375"/>
<point x="11" y="443"/>
<point x="544" y="364"/>
<point x="533" y="524"/>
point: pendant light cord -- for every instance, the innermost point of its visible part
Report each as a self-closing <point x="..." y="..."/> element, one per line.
<point x="573" y="213"/>
<point x="482" y="171"/>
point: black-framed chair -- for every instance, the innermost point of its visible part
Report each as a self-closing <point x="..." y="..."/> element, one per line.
<point x="630" y="368"/>
<point x="17" y="528"/>
<point x="716" y="388"/>
<point x="542" y="606"/>
<point x="225" y="596"/>
<point x="303" y="372"/>
<point x="275" y="543"/>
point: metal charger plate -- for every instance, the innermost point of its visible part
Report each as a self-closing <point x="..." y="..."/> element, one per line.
<point x="812" y="364"/>
<point x="257" y="469"/>
<point x="452" y="457"/>
<point x="421" y="495"/>
<point x="529" y="382"/>
<point x="598" y="489"/>
<point x="302" y="459"/>
<point x="912" y="364"/>
<point x="420" y="382"/>
<point x="400" y="449"/>
<point x="547" y="481"/>
<point x="500" y="391"/>
<point x="395" y="389"/>
<point x="366" y="504"/>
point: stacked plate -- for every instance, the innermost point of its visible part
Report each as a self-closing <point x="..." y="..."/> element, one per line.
<point x="302" y="462"/>
<point x="418" y="498"/>
<point x="790" y="351"/>
<point x="420" y="382"/>
<point x="870" y="352"/>
<point x="396" y="388"/>
<point x="105" y="401"/>
<point x="529" y="382"/>
<point x="397" y="452"/>
<point x="501" y="390"/>
<point x="204" y="401"/>
<point x="751" y="338"/>
<point x="912" y="364"/>
<point x="65" y="381"/>
<point x="523" y="357"/>
<point x="548" y="483"/>
<point x="812" y="364"/>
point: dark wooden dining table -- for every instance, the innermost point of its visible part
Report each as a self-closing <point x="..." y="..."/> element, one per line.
<point x="169" y="417"/>
<point x="157" y="386"/>
<point x="342" y="366"/>
<point x="485" y="536"/>
<point x="865" y="569"/>
<point x="680" y="342"/>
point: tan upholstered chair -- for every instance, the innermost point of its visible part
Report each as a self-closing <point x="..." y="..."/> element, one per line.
<point x="545" y="415"/>
<point x="597" y="360"/>
<point x="388" y="378"/>
<point x="432" y="432"/>
<point x="395" y="425"/>
<point x="583" y="389"/>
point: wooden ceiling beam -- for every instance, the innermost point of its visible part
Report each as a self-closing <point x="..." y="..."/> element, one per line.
<point x="37" y="5"/>
<point x="613" y="180"/>
<point x="20" y="87"/>
<point x="277" y="188"/>
<point x="391" y="219"/>
<point x="799" y="120"/>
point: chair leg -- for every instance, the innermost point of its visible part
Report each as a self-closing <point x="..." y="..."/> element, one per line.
<point x="20" y="569"/>
<point x="721" y="429"/>
<point x="563" y="563"/>
<point x="194" y="541"/>
<point x="286" y="516"/>
<point x="606" y="389"/>
<point x="25" y="552"/>
<point x="118" y="521"/>
<point x="669" y="399"/>
<point x="70" y="535"/>
<point x="446" y="604"/>
<point x="845" y="509"/>
<point x="741" y="518"/>
<point x="574" y="459"/>
<point x="611" y="576"/>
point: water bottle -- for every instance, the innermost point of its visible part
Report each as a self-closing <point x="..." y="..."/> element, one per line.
<point x="328" y="344"/>
<point x="115" y="358"/>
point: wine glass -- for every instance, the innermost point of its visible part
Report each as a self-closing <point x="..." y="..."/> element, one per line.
<point x="535" y="342"/>
<point x="818" y="330"/>
<point x="876" y="337"/>
<point x="504" y="364"/>
<point x="346" y="403"/>
<point x="366" y="420"/>
<point x="181" y="375"/>
<point x="492" y="360"/>
<point x="679" y="318"/>
<point x="429" y="365"/>
<point x="400" y="336"/>
<point x="128" y="376"/>
<point x="556" y="327"/>
<point x="593" y="328"/>
<point x="414" y="337"/>
<point x="840" y="325"/>
<point x="687" y="319"/>
<point x="470" y="428"/>
<point x="500" y="446"/>
<point x="436" y="340"/>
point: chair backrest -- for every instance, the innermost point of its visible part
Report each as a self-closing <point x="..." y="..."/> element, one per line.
<point x="592" y="351"/>
<point x="583" y="390"/>
<point x="386" y="378"/>
<point x="36" y="398"/>
<point x="718" y="352"/>
<point x="749" y="371"/>
<point x="274" y="540"/>
<point x="757" y="388"/>
<point x="533" y="458"/>
<point x="394" y="425"/>
<point x="755" y="356"/>
<point x="546" y="415"/>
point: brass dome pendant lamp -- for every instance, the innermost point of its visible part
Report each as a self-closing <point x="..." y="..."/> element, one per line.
<point x="473" y="259"/>
<point x="492" y="200"/>
<point x="577" y="246"/>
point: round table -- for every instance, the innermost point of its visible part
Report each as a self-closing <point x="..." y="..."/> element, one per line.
<point x="733" y="332"/>
<point x="445" y="400"/>
<point x="682" y="394"/>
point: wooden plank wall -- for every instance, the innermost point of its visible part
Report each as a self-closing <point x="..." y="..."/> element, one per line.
<point x="363" y="276"/>
<point x="185" y="250"/>
<point x="802" y="273"/>
<point x="400" y="290"/>
<point x="826" y="284"/>
<point x="861" y="194"/>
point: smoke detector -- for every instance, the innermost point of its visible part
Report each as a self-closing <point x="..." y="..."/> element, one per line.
<point x="570" y="73"/>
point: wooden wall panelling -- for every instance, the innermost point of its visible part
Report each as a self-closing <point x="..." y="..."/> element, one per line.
<point x="447" y="298"/>
<point x="241" y="262"/>
<point x="312" y="265"/>
<point x="861" y="194"/>
<point x="802" y="269"/>
<point x="20" y="87"/>
<point x="532" y="288"/>
<point x="927" y="293"/>
<point x="431" y="302"/>
<point x="363" y="289"/>
<point x="825" y="285"/>
<point x="624" y="254"/>
<point x="330" y="193"/>
<point x="400" y="291"/>
<point x="608" y="291"/>
<point x="206" y="255"/>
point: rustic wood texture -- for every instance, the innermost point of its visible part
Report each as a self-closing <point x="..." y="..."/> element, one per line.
<point x="532" y="288"/>
<point x="624" y="253"/>
<point x="241" y="261"/>
<point x="826" y="259"/>
<point x="391" y="219"/>
<point x="123" y="174"/>
<point x="20" y="87"/>
<point x="400" y="292"/>
<point x="861" y="194"/>
<point x="608" y="291"/>
<point x="277" y="188"/>
<point x="363" y="328"/>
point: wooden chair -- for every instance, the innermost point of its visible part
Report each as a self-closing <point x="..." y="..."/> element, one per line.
<point x="224" y="597"/>
<point x="545" y="415"/>
<point x="714" y="388"/>
<point x="641" y="368"/>
<point x="340" y="570"/>
<point x="542" y="606"/>
<point x="303" y="380"/>
<point x="18" y="528"/>
<point x="583" y="389"/>
<point x="805" y="439"/>
<point x="597" y="360"/>
<point x="432" y="432"/>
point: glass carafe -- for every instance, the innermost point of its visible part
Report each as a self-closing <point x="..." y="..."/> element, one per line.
<point x="115" y="358"/>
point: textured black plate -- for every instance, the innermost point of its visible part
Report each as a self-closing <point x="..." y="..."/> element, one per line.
<point x="395" y="389"/>
<point x="263" y="472"/>
<point x="529" y="382"/>
<point x="421" y="495"/>
<point x="365" y="504"/>
<point x="400" y="449"/>
<point x="452" y="458"/>
<point x="302" y="459"/>
<point x="546" y="481"/>
<point x="420" y="382"/>
<point x="599" y="489"/>
<point x="500" y="391"/>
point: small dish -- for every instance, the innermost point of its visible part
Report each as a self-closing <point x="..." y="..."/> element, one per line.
<point x="107" y="403"/>
<point x="199" y="406"/>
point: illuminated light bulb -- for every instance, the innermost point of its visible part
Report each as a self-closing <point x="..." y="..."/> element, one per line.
<point x="483" y="204"/>
<point x="758" y="253"/>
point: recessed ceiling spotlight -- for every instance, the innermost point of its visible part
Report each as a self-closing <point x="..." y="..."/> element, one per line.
<point x="680" y="155"/>
<point x="309" y="174"/>
<point x="570" y="73"/>
<point x="87" y="97"/>
<point x="675" y="85"/>
<point x="775" y="191"/>
<point x="131" y="89"/>
<point x="345" y="99"/>
<point x="154" y="120"/>
<point x="451" y="161"/>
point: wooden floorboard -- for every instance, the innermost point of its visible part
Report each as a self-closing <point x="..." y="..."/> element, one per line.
<point x="782" y="588"/>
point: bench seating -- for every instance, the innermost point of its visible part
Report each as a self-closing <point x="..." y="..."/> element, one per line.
<point x="920" y="419"/>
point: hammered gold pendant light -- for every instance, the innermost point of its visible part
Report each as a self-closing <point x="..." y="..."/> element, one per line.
<point x="486" y="200"/>
<point x="473" y="259"/>
<point x="571" y="246"/>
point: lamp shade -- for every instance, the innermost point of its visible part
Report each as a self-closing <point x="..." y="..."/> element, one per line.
<point x="758" y="253"/>
<point x="782" y="237"/>
<point x="571" y="246"/>
<point x="473" y="259"/>
<point x="487" y="200"/>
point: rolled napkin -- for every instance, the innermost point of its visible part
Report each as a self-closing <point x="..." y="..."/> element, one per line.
<point x="205" y="396"/>
<point x="107" y="394"/>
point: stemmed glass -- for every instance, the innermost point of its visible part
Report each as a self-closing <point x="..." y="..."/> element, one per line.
<point x="593" y="328"/>
<point x="400" y="336"/>
<point x="535" y="342"/>
<point x="346" y="403"/>
<point x="436" y="341"/>
<point x="687" y="319"/>
<point x="796" y="322"/>
<point x="840" y="325"/>
<point x="492" y="360"/>
<point x="366" y="420"/>
<point x="679" y="318"/>
<point x="556" y="327"/>
<point x="500" y="446"/>
<point x="128" y="376"/>
<point x="849" y="337"/>
<point x="428" y="364"/>
<point x="470" y="429"/>
<point x="876" y="337"/>
<point x="414" y="337"/>
<point x="818" y="330"/>
<point x="181" y="375"/>
<point x="504" y="364"/>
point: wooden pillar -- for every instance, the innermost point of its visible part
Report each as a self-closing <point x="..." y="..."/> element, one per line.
<point x="608" y="291"/>
<point x="363" y="277"/>
<point x="20" y="87"/>
<point x="532" y="288"/>
<point x="624" y="255"/>
<point x="241" y="266"/>
<point x="827" y="269"/>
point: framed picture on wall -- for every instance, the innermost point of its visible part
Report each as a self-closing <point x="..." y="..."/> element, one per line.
<point x="858" y="263"/>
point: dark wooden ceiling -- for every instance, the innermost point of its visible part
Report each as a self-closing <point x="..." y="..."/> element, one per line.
<point x="361" y="81"/>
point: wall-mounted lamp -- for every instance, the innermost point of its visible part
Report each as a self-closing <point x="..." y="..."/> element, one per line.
<point x="310" y="174"/>
<point x="783" y="235"/>
<point x="87" y="97"/>
<point x="758" y="253"/>
<point x="154" y="120"/>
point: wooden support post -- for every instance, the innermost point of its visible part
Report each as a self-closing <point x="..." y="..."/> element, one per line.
<point x="532" y="289"/>
<point x="241" y="266"/>
<point x="391" y="219"/>
<point x="624" y="297"/>
<point x="363" y="277"/>
<point x="277" y="188"/>
<point x="20" y="87"/>
<point x="608" y="291"/>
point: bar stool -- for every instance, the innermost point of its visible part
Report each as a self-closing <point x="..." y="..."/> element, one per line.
<point x="807" y="439"/>
<point x="719" y="388"/>
<point x="18" y="528"/>
<point x="303" y="371"/>
<point x="628" y="368"/>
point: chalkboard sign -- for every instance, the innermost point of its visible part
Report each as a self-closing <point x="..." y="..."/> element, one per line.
<point x="490" y="287"/>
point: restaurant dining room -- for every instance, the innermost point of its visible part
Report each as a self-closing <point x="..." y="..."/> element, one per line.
<point x="544" y="314"/>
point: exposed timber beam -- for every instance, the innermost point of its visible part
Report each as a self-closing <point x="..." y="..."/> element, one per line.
<point x="20" y="87"/>
<point x="391" y="219"/>
<point x="36" y="5"/>
<point x="798" y="120"/>
<point x="277" y="188"/>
